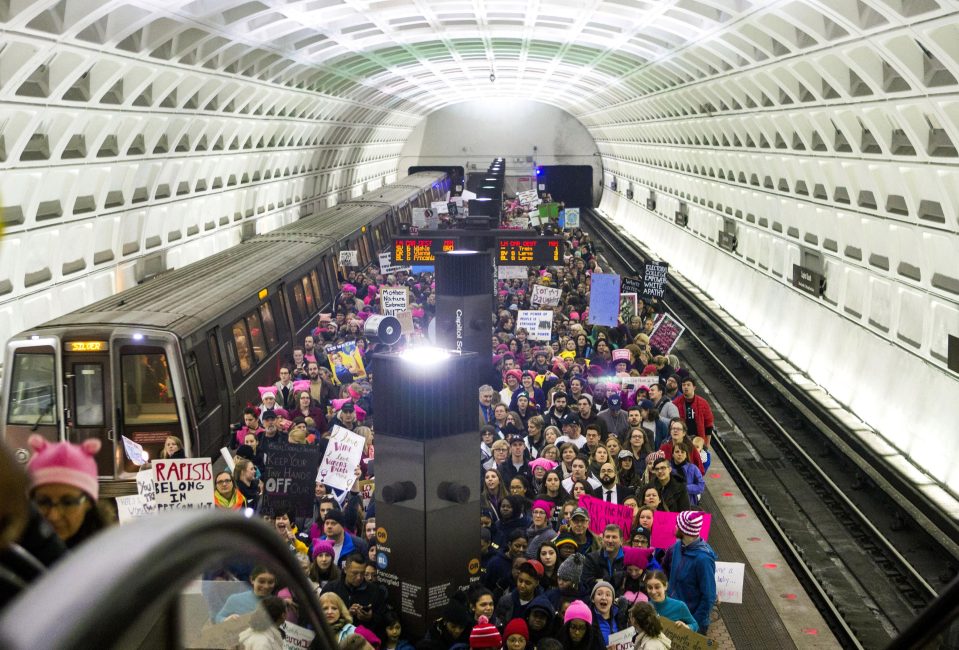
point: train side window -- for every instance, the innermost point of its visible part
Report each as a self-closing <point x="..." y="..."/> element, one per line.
<point x="299" y="300"/>
<point x="308" y="295"/>
<point x="324" y="283"/>
<point x="242" y="345"/>
<point x="269" y="326"/>
<point x="88" y="394"/>
<point x="33" y="384"/>
<point x="331" y="275"/>
<point x="147" y="389"/>
<point x="196" y="386"/>
<point x="315" y="283"/>
<point x="256" y="336"/>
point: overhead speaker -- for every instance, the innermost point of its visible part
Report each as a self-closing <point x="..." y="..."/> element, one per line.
<point x="383" y="329"/>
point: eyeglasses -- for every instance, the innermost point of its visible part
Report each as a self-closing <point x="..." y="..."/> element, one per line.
<point x="578" y="626"/>
<point x="661" y="468"/>
<point x="66" y="504"/>
<point x="224" y="481"/>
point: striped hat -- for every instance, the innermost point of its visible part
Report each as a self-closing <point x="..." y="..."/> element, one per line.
<point x="654" y="456"/>
<point x="690" y="522"/>
<point x="485" y="635"/>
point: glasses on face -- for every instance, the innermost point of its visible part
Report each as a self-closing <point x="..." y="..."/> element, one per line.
<point x="578" y="626"/>
<point x="661" y="468"/>
<point x="224" y="481"/>
<point x="66" y="504"/>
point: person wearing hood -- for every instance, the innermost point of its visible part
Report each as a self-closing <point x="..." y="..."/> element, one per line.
<point x="514" y="603"/>
<point x="454" y="626"/>
<point x="499" y="571"/>
<point x="541" y="620"/>
<point x="692" y="573"/>
<point x="512" y="512"/>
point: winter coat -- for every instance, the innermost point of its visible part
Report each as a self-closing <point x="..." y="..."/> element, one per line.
<point x="692" y="578"/>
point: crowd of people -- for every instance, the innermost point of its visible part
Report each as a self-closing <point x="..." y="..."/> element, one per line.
<point x="558" y="420"/>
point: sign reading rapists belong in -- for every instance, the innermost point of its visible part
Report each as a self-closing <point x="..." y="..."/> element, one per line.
<point x="184" y="484"/>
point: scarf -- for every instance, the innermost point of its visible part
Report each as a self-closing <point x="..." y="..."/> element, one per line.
<point x="235" y="502"/>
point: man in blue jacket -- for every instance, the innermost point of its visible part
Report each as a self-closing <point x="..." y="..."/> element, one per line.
<point x="692" y="573"/>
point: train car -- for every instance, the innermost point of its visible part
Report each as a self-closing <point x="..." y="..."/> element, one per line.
<point x="183" y="354"/>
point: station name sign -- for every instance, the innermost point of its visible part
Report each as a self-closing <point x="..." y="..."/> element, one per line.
<point x="807" y="280"/>
<point x="421" y="249"/>
<point x="529" y="251"/>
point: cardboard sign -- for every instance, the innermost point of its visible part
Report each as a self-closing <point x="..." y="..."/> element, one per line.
<point x="664" y="528"/>
<point x="130" y="507"/>
<point x="545" y="296"/>
<point x="666" y="333"/>
<point x="147" y="489"/>
<point x="296" y="637"/>
<point x="135" y="452"/>
<point x="570" y="218"/>
<point x="440" y="207"/>
<point x="628" y="306"/>
<point x="420" y="217"/>
<point x="527" y="198"/>
<point x="346" y="362"/>
<point x="342" y="457"/>
<point x="632" y="384"/>
<point x="386" y="265"/>
<point x="349" y="258"/>
<point x="729" y="582"/>
<point x="406" y="321"/>
<point x="184" y="484"/>
<point x="511" y="272"/>
<point x="289" y="481"/>
<point x="682" y="638"/>
<point x="604" y="299"/>
<point x="538" y="323"/>
<point x="622" y="640"/>
<point x="654" y="279"/>
<point x="393" y="300"/>
<point x="602" y="513"/>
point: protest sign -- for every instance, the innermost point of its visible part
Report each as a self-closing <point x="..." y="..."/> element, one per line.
<point x="386" y="265"/>
<point x="135" y="451"/>
<point x="729" y="581"/>
<point x="511" y="272"/>
<point x="439" y="207"/>
<point x="628" y="306"/>
<point x="342" y="457"/>
<point x="654" y="279"/>
<point x="622" y="640"/>
<point x="130" y="507"/>
<point x="602" y="513"/>
<point x="367" y="487"/>
<point x="632" y="285"/>
<point x="296" y="637"/>
<point x="545" y="296"/>
<point x="420" y="217"/>
<point x="571" y="218"/>
<point x="406" y="321"/>
<point x="147" y="489"/>
<point x="527" y="197"/>
<point x="664" y="528"/>
<point x="290" y="478"/>
<point x="393" y="300"/>
<point x="453" y="209"/>
<point x="184" y="484"/>
<point x="682" y="638"/>
<point x="604" y="299"/>
<point x="346" y="362"/>
<point x="665" y="334"/>
<point x="227" y="458"/>
<point x="349" y="258"/>
<point x="539" y="324"/>
<point x="633" y="383"/>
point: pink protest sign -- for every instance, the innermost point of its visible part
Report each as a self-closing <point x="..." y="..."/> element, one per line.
<point x="602" y="513"/>
<point x="664" y="528"/>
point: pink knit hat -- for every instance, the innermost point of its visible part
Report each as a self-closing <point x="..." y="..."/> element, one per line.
<point x="578" y="610"/>
<point x="65" y="463"/>
<point x="690" y="522"/>
<point x="543" y="505"/>
<point x="545" y="463"/>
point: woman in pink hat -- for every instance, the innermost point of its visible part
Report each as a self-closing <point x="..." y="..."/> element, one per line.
<point x="578" y="632"/>
<point x="64" y="487"/>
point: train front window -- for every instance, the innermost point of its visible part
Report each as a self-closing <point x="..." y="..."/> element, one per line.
<point x="147" y="389"/>
<point x="32" y="389"/>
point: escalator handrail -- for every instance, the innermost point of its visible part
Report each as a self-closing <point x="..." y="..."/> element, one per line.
<point x="89" y="597"/>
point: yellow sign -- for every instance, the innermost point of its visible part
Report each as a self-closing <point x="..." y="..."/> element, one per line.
<point x="473" y="566"/>
<point x="381" y="535"/>
<point x="87" y="346"/>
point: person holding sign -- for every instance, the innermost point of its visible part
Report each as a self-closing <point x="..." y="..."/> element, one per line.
<point x="693" y="569"/>
<point x="671" y="608"/>
<point x="649" y="631"/>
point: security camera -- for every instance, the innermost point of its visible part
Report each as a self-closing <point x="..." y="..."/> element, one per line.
<point x="492" y="77"/>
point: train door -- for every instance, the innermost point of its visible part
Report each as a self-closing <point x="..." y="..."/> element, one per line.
<point x="34" y="404"/>
<point x="89" y="400"/>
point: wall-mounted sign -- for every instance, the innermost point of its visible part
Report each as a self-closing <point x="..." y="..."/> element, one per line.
<point x="807" y="280"/>
<point x="529" y="251"/>
<point x="727" y="241"/>
<point x="421" y="249"/>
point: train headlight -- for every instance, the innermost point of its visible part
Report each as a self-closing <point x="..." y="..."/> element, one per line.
<point x="22" y="455"/>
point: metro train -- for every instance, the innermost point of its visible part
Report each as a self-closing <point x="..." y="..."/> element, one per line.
<point x="183" y="353"/>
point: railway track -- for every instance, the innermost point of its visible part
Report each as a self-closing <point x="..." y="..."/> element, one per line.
<point x="866" y="564"/>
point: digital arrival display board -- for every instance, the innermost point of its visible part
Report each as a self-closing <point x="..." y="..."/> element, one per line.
<point x="421" y="249"/>
<point x="529" y="251"/>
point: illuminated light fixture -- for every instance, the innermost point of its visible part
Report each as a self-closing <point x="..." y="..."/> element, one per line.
<point x="138" y="337"/>
<point x="425" y="354"/>
<point x="263" y="294"/>
<point x="35" y="337"/>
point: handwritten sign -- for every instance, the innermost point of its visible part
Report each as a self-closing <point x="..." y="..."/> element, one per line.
<point x="349" y="258"/>
<point x="666" y="333"/>
<point x="654" y="279"/>
<point x="632" y="285"/>
<point x="622" y="640"/>
<point x="147" y="489"/>
<point x="571" y="218"/>
<point x="184" y="484"/>
<point x="628" y="306"/>
<point x="406" y="321"/>
<point x="342" y="457"/>
<point x="420" y="218"/>
<point x="545" y="296"/>
<point x="729" y="582"/>
<point x="682" y="638"/>
<point x="664" y="528"/>
<point x="135" y="452"/>
<point x="290" y="472"/>
<point x="527" y="197"/>
<point x="296" y="637"/>
<point x="539" y="324"/>
<point x="367" y="487"/>
<point x="604" y="299"/>
<point x="387" y="266"/>
<point x="130" y="507"/>
<point x="393" y="300"/>
<point x="602" y="513"/>
<point x="511" y="272"/>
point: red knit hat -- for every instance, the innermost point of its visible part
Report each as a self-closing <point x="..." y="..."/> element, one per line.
<point x="485" y="635"/>
<point x="516" y="626"/>
<point x="65" y="463"/>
